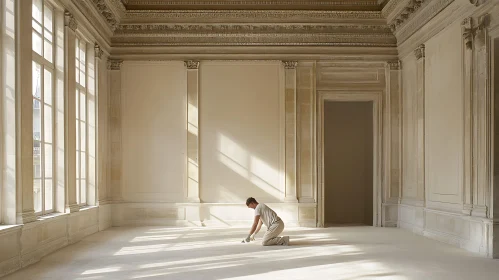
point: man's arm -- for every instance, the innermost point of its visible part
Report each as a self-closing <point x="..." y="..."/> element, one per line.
<point x="257" y="229"/>
<point x="253" y="228"/>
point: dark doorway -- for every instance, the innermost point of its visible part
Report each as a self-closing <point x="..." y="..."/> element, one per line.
<point x="348" y="163"/>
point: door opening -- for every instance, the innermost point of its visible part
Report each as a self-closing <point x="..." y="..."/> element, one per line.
<point x="348" y="163"/>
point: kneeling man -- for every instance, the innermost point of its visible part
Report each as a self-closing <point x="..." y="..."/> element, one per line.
<point x="274" y="224"/>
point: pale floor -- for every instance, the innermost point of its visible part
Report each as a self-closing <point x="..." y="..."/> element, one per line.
<point x="204" y="253"/>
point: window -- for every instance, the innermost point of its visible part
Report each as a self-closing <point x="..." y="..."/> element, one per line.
<point x="43" y="111"/>
<point x="81" y="122"/>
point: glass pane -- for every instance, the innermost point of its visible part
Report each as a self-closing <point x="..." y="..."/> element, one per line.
<point x="37" y="10"/>
<point x="47" y="124"/>
<point x="83" y="137"/>
<point x="49" y="195"/>
<point x="37" y="194"/>
<point x="37" y="80"/>
<point x="37" y="43"/>
<point x="77" y="165"/>
<point x="82" y="77"/>
<point x="47" y="54"/>
<point x="83" y="191"/>
<point x="78" y="191"/>
<point x="47" y="17"/>
<point x="36" y="26"/>
<point x="83" y="165"/>
<point x="37" y="160"/>
<point x="83" y="103"/>
<point x="77" y="135"/>
<point x="47" y="87"/>
<point x="48" y="153"/>
<point x="77" y="74"/>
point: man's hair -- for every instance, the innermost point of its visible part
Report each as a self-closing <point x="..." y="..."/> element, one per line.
<point x="250" y="200"/>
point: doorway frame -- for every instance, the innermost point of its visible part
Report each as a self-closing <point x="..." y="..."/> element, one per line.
<point x="351" y="96"/>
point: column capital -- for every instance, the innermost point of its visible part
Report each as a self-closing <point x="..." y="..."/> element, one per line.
<point x="114" y="64"/>
<point x="191" y="64"/>
<point x="290" y="64"/>
<point x="70" y="21"/>
<point x="419" y="52"/>
<point x="98" y="51"/>
<point x="394" y="65"/>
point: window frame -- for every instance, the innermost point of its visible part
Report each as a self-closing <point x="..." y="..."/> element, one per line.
<point x="79" y="89"/>
<point x="49" y="66"/>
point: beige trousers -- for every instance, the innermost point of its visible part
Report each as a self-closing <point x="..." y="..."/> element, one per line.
<point x="271" y="237"/>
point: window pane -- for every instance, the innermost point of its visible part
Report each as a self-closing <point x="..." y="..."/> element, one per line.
<point x="48" y="153"/>
<point x="77" y="165"/>
<point x="37" y="194"/>
<point x="37" y="80"/>
<point x="37" y="10"/>
<point x="47" y="86"/>
<point x="83" y="137"/>
<point x="47" y="124"/>
<point x="37" y="43"/>
<point x="47" y="17"/>
<point x="36" y="26"/>
<point x="37" y="160"/>
<point x="49" y="195"/>
<point x="83" y="103"/>
<point x="78" y="191"/>
<point x="47" y="54"/>
<point x="77" y="135"/>
<point x="83" y="165"/>
<point x="83" y="191"/>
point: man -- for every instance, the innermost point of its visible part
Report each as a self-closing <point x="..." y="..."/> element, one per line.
<point x="274" y="224"/>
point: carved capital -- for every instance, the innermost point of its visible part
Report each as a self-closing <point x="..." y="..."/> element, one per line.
<point x="70" y="21"/>
<point x="420" y="51"/>
<point x="471" y="29"/>
<point x="393" y="65"/>
<point x="114" y="64"/>
<point x="290" y="64"/>
<point x="98" y="51"/>
<point x="191" y="64"/>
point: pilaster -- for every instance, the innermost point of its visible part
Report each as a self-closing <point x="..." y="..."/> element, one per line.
<point x="290" y="130"/>
<point x="114" y="67"/>
<point x="419" y="52"/>
<point x="101" y="125"/>
<point x="24" y="121"/>
<point x="192" y="131"/>
<point x="70" y="26"/>
<point x="393" y="132"/>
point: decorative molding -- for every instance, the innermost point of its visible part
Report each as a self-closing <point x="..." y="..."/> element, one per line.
<point x="107" y="12"/>
<point x="70" y="21"/>
<point x="98" y="51"/>
<point x="420" y="52"/>
<point x="242" y="15"/>
<point x="114" y="64"/>
<point x="254" y="28"/>
<point x="191" y="64"/>
<point x="394" y="65"/>
<point x="290" y="64"/>
<point x="470" y="30"/>
<point x="477" y="2"/>
<point x="404" y="28"/>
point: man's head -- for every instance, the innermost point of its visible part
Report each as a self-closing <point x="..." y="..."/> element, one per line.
<point x="251" y="203"/>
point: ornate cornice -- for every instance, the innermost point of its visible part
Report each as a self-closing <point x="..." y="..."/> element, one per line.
<point x="253" y="28"/>
<point x="98" y="51"/>
<point x="405" y="26"/>
<point x="108" y="11"/>
<point x="266" y="4"/>
<point x="141" y="16"/>
<point x="411" y="7"/>
<point x="114" y="64"/>
<point x="477" y="2"/>
<point x="70" y="21"/>
<point x="420" y="51"/>
<point x="290" y="64"/>
<point x="394" y="65"/>
<point x="191" y="64"/>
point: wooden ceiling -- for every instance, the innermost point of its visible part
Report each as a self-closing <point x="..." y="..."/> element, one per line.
<point x="322" y="5"/>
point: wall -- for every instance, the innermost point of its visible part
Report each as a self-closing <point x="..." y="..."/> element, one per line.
<point x="446" y="116"/>
<point x="198" y="139"/>
<point x="348" y="162"/>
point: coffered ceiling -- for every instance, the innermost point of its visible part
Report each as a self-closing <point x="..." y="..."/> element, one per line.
<point x="334" y="5"/>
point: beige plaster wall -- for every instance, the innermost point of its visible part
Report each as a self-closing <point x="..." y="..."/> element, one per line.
<point x="444" y="117"/>
<point x="241" y="129"/>
<point x="154" y="131"/>
<point x="348" y="162"/>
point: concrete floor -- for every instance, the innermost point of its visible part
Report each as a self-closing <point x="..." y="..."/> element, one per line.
<point x="204" y="253"/>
